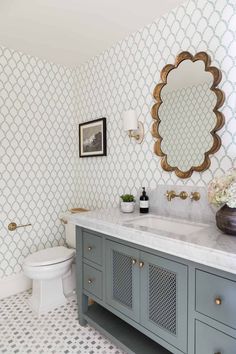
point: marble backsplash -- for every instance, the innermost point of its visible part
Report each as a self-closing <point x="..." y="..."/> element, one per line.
<point x="198" y="211"/>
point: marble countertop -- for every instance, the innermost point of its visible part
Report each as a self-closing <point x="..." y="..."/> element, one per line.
<point x="209" y="246"/>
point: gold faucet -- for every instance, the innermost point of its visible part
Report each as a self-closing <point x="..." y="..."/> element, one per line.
<point x="172" y="194"/>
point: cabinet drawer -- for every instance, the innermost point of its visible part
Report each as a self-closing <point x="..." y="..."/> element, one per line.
<point x="92" y="280"/>
<point x="92" y="247"/>
<point x="211" y="341"/>
<point x="216" y="298"/>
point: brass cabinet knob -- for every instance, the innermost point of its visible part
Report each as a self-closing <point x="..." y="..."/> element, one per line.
<point x="218" y="301"/>
<point x="134" y="261"/>
<point x="141" y="264"/>
<point x="90" y="281"/>
<point x="90" y="248"/>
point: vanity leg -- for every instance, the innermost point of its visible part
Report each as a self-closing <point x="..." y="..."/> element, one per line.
<point x="82" y="308"/>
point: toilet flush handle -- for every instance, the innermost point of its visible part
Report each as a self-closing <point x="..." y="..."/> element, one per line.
<point x="63" y="221"/>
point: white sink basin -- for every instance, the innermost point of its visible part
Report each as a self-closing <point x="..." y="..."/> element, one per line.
<point x="173" y="226"/>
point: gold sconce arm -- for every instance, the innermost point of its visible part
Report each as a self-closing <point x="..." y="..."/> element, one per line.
<point x="13" y="226"/>
<point x="133" y="135"/>
<point x="138" y="134"/>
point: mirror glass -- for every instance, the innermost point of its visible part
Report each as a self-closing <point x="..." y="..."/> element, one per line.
<point x="186" y="116"/>
<point x="187" y="110"/>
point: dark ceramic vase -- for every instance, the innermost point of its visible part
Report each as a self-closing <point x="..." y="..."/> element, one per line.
<point x="226" y="220"/>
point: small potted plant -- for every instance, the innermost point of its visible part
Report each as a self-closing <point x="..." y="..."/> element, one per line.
<point x="222" y="193"/>
<point x="127" y="203"/>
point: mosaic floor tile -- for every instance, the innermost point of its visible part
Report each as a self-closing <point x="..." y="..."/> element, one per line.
<point x="57" y="332"/>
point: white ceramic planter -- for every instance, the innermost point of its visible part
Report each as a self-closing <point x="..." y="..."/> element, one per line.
<point x="127" y="207"/>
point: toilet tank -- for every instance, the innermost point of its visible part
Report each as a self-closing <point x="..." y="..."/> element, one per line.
<point x="70" y="235"/>
<point x="70" y="229"/>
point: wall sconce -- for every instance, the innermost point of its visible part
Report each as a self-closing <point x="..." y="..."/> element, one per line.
<point x="133" y="126"/>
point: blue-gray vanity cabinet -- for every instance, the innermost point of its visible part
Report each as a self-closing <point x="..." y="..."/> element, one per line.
<point x="208" y="340"/>
<point x="164" y="298"/>
<point x="178" y="306"/>
<point x="122" y="279"/>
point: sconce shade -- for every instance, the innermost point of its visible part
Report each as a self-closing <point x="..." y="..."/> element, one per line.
<point x="130" y="120"/>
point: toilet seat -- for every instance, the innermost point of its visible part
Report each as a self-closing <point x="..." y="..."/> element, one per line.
<point x="49" y="256"/>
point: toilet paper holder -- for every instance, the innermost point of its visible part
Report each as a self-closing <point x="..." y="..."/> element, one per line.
<point x="13" y="226"/>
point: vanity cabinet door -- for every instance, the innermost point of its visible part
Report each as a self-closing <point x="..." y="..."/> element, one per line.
<point x="122" y="279"/>
<point x="164" y="299"/>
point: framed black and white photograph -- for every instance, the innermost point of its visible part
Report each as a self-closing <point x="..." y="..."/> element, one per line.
<point x="92" y="138"/>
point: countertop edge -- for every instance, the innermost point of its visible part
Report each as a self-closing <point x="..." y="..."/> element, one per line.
<point x="196" y="253"/>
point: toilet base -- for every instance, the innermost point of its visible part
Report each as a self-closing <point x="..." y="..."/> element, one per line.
<point x="47" y="295"/>
<point x="69" y="281"/>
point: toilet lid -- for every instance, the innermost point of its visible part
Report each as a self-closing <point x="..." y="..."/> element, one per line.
<point x="49" y="256"/>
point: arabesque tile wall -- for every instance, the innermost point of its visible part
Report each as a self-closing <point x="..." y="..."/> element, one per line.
<point x="41" y="105"/>
<point x="124" y="77"/>
<point x="38" y="154"/>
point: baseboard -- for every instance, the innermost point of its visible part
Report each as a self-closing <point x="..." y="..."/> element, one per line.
<point x="14" y="284"/>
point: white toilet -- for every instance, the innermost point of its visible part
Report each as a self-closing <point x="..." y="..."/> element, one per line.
<point x="52" y="274"/>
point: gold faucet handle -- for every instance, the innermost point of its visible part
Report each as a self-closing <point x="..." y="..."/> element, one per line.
<point x="195" y="196"/>
<point x="170" y="195"/>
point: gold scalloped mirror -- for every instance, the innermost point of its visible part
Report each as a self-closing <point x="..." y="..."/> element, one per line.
<point x="186" y="115"/>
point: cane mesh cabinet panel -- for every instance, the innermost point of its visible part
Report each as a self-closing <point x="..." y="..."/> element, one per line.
<point x="164" y="303"/>
<point x="162" y="286"/>
<point x="122" y="279"/>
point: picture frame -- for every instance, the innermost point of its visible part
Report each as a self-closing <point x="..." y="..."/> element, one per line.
<point x="92" y="138"/>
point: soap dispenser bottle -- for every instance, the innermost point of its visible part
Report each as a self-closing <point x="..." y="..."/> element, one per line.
<point x="144" y="202"/>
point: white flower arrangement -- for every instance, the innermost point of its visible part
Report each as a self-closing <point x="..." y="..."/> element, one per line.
<point x="222" y="190"/>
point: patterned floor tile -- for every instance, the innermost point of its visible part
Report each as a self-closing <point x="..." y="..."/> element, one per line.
<point x="57" y="332"/>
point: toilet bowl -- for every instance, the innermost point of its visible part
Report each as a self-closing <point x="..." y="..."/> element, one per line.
<point x="47" y="268"/>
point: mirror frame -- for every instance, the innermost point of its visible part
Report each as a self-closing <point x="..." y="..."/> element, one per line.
<point x="216" y="73"/>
